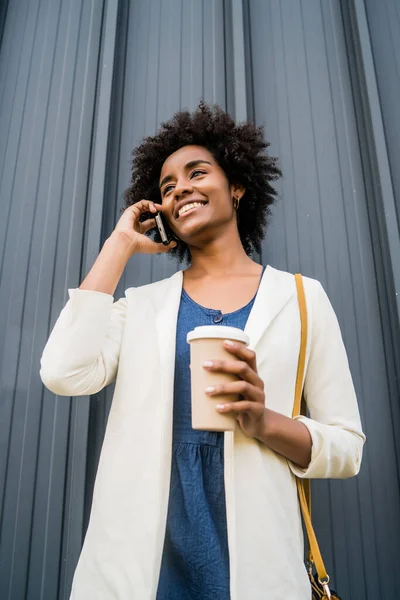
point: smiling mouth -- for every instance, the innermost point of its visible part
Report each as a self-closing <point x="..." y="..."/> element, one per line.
<point x="189" y="207"/>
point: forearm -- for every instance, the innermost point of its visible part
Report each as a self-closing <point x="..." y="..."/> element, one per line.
<point x="109" y="265"/>
<point x="287" y="437"/>
<point x="82" y="353"/>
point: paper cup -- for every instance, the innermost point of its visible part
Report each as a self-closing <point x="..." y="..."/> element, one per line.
<point x="206" y="343"/>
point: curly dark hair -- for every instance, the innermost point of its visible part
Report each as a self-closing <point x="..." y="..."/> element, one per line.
<point x="240" y="150"/>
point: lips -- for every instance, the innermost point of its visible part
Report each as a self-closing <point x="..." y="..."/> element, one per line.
<point x="190" y="204"/>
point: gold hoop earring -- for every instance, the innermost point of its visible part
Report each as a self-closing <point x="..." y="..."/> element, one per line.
<point x="236" y="201"/>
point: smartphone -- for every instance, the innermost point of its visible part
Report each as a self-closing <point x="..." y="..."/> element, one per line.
<point x="163" y="229"/>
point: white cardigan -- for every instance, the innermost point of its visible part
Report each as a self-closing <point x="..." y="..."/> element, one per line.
<point x="96" y="341"/>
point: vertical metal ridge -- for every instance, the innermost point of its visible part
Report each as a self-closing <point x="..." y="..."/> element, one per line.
<point x="239" y="72"/>
<point x="392" y="11"/>
<point x="5" y="64"/>
<point x="202" y="47"/>
<point x="275" y="122"/>
<point x="181" y="51"/>
<point x="289" y="125"/>
<point x="213" y="45"/>
<point x="3" y="15"/>
<point x="191" y="70"/>
<point x="248" y="52"/>
<point x="124" y="12"/>
<point x="101" y="135"/>
<point x="313" y="132"/>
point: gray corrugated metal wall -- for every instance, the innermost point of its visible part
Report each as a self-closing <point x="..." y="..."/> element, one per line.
<point x="48" y="77"/>
<point x="81" y="82"/>
<point x="323" y="227"/>
<point x="384" y="26"/>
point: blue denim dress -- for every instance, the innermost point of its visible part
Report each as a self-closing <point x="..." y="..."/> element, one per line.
<point x="195" y="561"/>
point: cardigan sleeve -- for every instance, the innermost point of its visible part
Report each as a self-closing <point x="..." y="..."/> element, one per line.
<point x="82" y="353"/>
<point x="334" y="423"/>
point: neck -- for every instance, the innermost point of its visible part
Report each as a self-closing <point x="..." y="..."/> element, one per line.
<point x="221" y="257"/>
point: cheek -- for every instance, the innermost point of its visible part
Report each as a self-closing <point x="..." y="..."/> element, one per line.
<point x="167" y="202"/>
<point x="219" y="188"/>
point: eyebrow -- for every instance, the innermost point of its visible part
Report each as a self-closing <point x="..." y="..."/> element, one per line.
<point x="189" y="165"/>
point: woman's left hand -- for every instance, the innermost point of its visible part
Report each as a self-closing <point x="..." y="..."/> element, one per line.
<point x="250" y="410"/>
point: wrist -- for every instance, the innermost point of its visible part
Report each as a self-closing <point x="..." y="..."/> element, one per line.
<point x="265" y="427"/>
<point x="121" y="243"/>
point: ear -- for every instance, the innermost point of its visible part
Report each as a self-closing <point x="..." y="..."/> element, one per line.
<point x="238" y="190"/>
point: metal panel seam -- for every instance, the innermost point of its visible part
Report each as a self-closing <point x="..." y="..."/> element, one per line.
<point x="239" y="73"/>
<point x="101" y="135"/>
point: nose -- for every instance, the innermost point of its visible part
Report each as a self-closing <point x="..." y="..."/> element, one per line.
<point x="183" y="187"/>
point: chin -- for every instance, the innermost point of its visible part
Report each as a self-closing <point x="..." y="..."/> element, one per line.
<point x="193" y="230"/>
<point x="199" y="237"/>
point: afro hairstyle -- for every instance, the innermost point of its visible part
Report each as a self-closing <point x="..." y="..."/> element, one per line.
<point x="239" y="149"/>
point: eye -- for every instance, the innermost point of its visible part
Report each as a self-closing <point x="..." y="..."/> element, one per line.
<point x="167" y="189"/>
<point x="193" y="174"/>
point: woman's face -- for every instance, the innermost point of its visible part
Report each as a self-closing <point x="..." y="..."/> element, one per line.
<point x="196" y="196"/>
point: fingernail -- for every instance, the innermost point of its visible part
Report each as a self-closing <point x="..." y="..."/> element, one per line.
<point x="210" y="389"/>
<point x="228" y="343"/>
<point x="220" y="406"/>
<point x="208" y="363"/>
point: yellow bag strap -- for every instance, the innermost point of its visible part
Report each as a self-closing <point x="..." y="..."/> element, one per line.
<point x="303" y="485"/>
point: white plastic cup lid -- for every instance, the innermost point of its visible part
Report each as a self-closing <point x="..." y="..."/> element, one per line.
<point x="218" y="332"/>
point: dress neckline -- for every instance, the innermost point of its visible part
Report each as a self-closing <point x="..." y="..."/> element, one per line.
<point x="213" y="311"/>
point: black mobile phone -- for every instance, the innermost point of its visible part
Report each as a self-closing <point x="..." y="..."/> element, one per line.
<point x="163" y="229"/>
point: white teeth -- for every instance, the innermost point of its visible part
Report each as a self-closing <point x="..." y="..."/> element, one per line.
<point x="189" y="206"/>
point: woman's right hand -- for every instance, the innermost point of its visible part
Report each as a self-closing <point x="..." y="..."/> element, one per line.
<point x="131" y="229"/>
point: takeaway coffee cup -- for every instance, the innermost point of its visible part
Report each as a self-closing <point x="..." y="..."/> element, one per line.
<point x="206" y="343"/>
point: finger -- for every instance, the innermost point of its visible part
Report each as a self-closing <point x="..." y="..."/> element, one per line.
<point x="145" y="226"/>
<point x="150" y="247"/>
<point x="240" y="407"/>
<point x="235" y="367"/>
<point x="144" y="206"/>
<point x="170" y="246"/>
<point x="241" y="351"/>
<point x="244" y="388"/>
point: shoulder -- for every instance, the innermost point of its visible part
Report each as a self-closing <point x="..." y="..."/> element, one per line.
<point x="156" y="288"/>
<point x="318" y="304"/>
<point x="312" y="287"/>
<point x="322" y="317"/>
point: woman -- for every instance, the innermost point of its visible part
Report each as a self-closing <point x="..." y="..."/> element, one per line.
<point x="178" y="513"/>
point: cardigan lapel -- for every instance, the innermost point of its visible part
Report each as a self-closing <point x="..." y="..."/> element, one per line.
<point x="166" y="322"/>
<point x="273" y="295"/>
